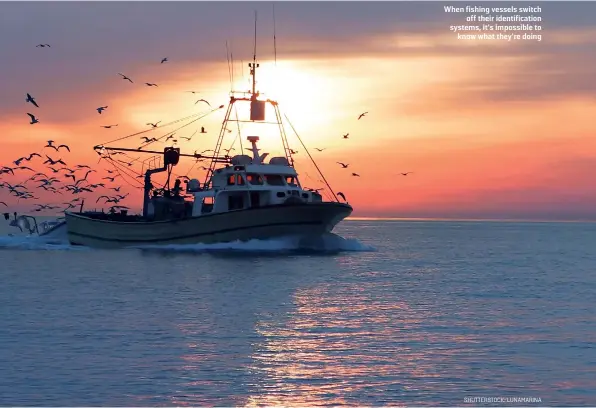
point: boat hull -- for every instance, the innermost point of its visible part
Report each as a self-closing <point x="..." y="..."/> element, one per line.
<point x="308" y="219"/>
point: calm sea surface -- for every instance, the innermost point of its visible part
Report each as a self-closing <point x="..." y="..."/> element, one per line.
<point x="416" y="313"/>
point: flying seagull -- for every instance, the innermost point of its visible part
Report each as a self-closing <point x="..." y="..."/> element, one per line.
<point x="42" y="45"/>
<point x="31" y="100"/>
<point x="346" y="135"/>
<point x="125" y="77"/>
<point x="362" y="115"/>
<point x="153" y="124"/>
<point x="150" y="84"/>
<point x="203" y="100"/>
<point x="320" y="150"/>
<point x="405" y="174"/>
<point x="101" y="109"/>
<point x="339" y="193"/>
<point x="164" y="60"/>
<point x="343" y="165"/>
<point x="34" y="120"/>
<point x="109" y="126"/>
<point x="355" y="174"/>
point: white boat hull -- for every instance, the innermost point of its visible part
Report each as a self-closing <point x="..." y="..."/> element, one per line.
<point x="310" y="219"/>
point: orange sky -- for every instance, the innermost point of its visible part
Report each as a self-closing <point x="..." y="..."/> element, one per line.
<point x="491" y="131"/>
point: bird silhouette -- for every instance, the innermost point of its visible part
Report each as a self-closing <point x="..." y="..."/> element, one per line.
<point x="42" y="45"/>
<point x="355" y="174"/>
<point x="346" y="135"/>
<point x="203" y="100"/>
<point x="52" y="161"/>
<point x="125" y="77"/>
<point x="339" y="193"/>
<point x="405" y="174"/>
<point x="203" y="130"/>
<point x="362" y="115"/>
<point x="150" y="84"/>
<point x="101" y="109"/>
<point x="28" y="158"/>
<point x="154" y="124"/>
<point x="320" y="150"/>
<point x="108" y="126"/>
<point x="34" y="120"/>
<point x="164" y="60"/>
<point x="31" y="100"/>
<point x="343" y="165"/>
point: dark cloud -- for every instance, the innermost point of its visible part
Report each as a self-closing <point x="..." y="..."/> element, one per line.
<point x="93" y="41"/>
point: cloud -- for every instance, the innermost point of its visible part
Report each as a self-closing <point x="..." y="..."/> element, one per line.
<point x="446" y="102"/>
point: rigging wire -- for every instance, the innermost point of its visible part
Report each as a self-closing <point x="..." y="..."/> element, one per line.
<point x="122" y="171"/>
<point x="311" y="158"/>
<point x="274" y="38"/>
<point x="238" y="126"/>
<point x="232" y="63"/>
<point x="229" y="69"/>
<point x="158" y="127"/>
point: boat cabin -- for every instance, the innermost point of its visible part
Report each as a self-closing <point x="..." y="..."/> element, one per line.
<point x="249" y="182"/>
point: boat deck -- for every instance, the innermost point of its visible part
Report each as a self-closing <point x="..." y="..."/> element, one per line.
<point x="113" y="217"/>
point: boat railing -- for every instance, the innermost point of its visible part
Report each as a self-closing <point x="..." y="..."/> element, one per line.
<point x="152" y="162"/>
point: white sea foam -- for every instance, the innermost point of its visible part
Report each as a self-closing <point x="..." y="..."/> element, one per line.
<point x="326" y="243"/>
<point x="330" y="243"/>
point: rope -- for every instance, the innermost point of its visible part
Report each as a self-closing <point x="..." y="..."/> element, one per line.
<point x="164" y="125"/>
<point x="311" y="158"/>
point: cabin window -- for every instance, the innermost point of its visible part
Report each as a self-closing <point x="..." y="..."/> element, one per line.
<point x="239" y="180"/>
<point x="232" y="180"/>
<point x="291" y="180"/>
<point x="274" y="179"/>
<point x="235" y="202"/>
<point x="254" y="178"/>
<point x="207" y="205"/>
<point x="280" y="194"/>
<point x="255" y="199"/>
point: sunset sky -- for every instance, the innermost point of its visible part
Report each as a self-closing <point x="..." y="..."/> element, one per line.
<point x="490" y="129"/>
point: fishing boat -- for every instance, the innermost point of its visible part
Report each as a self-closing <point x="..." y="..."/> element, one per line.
<point x="242" y="197"/>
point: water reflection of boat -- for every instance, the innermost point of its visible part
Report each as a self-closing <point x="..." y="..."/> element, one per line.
<point x="243" y="197"/>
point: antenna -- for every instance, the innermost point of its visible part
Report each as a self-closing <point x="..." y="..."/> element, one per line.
<point x="255" y="51"/>
<point x="232" y="63"/>
<point x="254" y="65"/>
<point x="229" y="68"/>
<point x="274" y="38"/>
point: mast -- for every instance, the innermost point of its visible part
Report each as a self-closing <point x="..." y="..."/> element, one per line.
<point x="257" y="113"/>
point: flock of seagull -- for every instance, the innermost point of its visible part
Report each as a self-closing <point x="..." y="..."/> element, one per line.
<point x="55" y="179"/>
<point x="25" y="191"/>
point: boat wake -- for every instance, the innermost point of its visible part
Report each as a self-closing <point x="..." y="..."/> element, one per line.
<point x="327" y="244"/>
<point x="55" y="240"/>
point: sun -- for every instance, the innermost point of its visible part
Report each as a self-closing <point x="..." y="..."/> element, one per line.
<point x="304" y="96"/>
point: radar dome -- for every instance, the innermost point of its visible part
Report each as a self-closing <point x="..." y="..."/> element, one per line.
<point x="279" y="161"/>
<point x="241" y="159"/>
<point x="193" y="185"/>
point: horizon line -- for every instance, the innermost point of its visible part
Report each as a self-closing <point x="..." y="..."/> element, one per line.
<point x="445" y="219"/>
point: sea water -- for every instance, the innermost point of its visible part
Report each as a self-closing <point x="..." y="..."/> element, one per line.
<point x="387" y="312"/>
